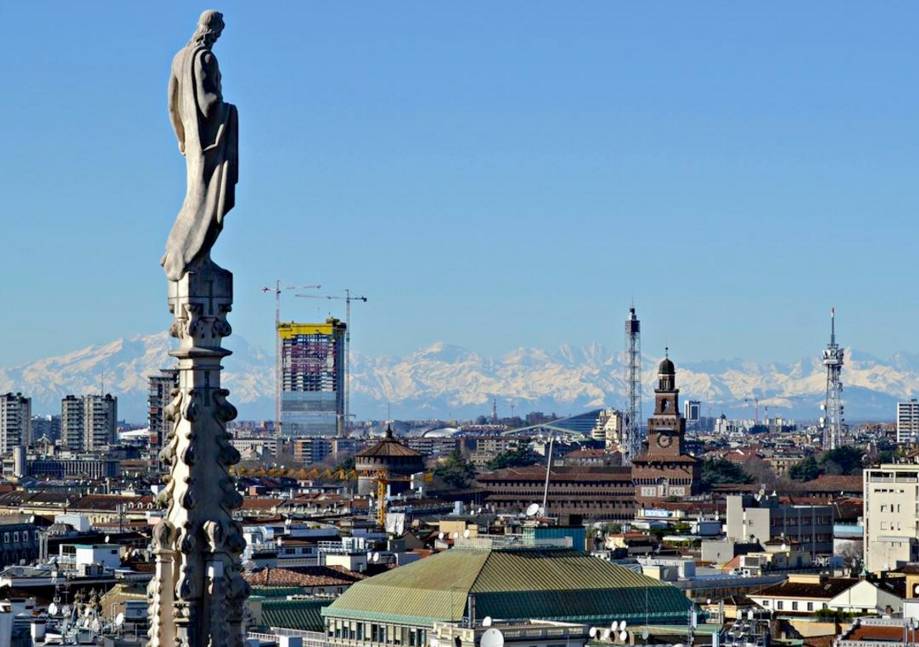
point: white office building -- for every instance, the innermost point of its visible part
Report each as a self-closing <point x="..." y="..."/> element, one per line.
<point x="891" y="516"/>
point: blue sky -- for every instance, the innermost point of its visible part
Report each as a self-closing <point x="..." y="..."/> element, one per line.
<point x="488" y="174"/>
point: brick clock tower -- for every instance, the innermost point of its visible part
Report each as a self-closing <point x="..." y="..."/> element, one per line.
<point x="665" y="470"/>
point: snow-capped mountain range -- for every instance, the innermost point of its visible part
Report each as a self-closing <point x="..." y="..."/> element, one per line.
<point x="444" y="381"/>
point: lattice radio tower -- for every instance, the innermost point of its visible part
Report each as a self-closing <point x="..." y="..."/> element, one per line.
<point x="832" y="421"/>
<point x="631" y="430"/>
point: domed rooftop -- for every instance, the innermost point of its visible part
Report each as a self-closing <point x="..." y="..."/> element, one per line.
<point x="666" y="367"/>
<point x="388" y="447"/>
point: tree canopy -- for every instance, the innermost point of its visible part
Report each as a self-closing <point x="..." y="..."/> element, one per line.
<point x="515" y="458"/>
<point x="846" y="460"/>
<point x="455" y="471"/>
<point x="716" y="471"/>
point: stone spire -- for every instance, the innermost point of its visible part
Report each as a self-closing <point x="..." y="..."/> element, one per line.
<point x="197" y="594"/>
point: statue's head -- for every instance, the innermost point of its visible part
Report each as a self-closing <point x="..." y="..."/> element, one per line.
<point x="210" y="25"/>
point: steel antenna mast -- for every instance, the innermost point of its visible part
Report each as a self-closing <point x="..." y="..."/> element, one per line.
<point x="631" y="436"/>
<point x="278" y="377"/>
<point x="832" y="420"/>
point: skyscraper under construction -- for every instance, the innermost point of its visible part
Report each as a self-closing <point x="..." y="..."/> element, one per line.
<point x="312" y="378"/>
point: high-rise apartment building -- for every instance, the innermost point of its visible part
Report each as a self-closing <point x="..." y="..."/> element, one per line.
<point x="908" y="421"/>
<point x="312" y="378"/>
<point x="608" y="429"/>
<point x="159" y="395"/>
<point x="312" y="449"/>
<point x="891" y="516"/>
<point x="48" y="427"/>
<point x="72" y="423"/>
<point x="692" y="412"/>
<point x="15" y="421"/>
<point x="88" y="422"/>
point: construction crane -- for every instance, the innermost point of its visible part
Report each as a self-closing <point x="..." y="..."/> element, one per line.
<point x="755" y="401"/>
<point x="277" y="290"/>
<point x="382" y="479"/>
<point x="347" y="299"/>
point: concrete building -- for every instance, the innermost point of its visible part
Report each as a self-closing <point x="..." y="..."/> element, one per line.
<point x="608" y="428"/>
<point x="159" y="394"/>
<point x="72" y="423"/>
<point x="19" y="539"/>
<point x="250" y="447"/>
<point x="766" y="519"/>
<point x="313" y="449"/>
<point x="83" y="466"/>
<point x="692" y="412"/>
<point x="88" y="422"/>
<point x="802" y="594"/>
<point x="15" y="421"/>
<point x="599" y="493"/>
<point x="312" y="378"/>
<point x="908" y="421"/>
<point x="46" y="427"/>
<point x="891" y="516"/>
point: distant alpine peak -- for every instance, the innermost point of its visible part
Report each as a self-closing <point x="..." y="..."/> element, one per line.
<point x="450" y="381"/>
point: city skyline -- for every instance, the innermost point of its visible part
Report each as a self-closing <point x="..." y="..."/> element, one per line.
<point x="595" y="158"/>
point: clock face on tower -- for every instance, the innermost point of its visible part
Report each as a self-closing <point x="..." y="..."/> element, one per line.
<point x="664" y="440"/>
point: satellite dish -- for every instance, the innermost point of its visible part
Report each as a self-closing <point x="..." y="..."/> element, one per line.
<point x="592" y="633"/>
<point x="487" y="621"/>
<point x="52" y="609"/>
<point x="622" y="625"/>
<point x="440" y="535"/>
<point x="532" y="509"/>
<point x="466" y="533"/>
<point x="66" y="610"/>
<point x="375" y="557"/>
<point x="623" y="635"/>
<point x="492" y="638"/>
<point x="119" y="620"/>
<point x="644" y="634"/>
<point x="605" y="635"/>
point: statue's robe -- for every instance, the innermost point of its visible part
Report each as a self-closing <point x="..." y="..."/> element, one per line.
<point x="207" y="130"/>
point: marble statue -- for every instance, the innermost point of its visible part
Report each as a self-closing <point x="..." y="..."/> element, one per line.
<point x="207" y="130"/>
<point x="197" y="595"/>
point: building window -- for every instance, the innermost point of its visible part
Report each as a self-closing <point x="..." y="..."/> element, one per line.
<point x="794" y="605"/>
<point x="810" y="606"/>
<point x="780" y="605"/>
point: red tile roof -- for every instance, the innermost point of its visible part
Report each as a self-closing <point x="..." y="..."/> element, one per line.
<point x="876" y="633"/>
<point x="309" y="577"/>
